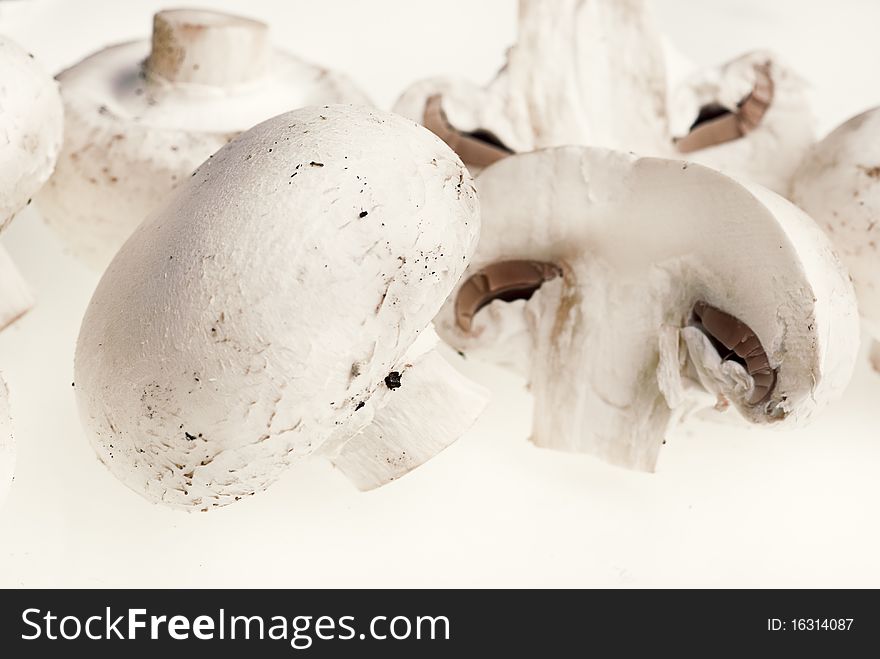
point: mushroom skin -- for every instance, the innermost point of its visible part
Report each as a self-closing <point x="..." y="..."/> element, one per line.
<point x="838" y="185"/>
<point x="140" y="116"/>
<point x="763" y="125"/>
<point x="594" y="72"/>
<point x="256" y="318"/>
<point x="7" y="446"/>
<point x="621" y="345"/>
<point x="31" y="123"/>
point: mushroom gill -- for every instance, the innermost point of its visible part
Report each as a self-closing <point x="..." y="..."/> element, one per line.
<point x="735" y="341"/>
<point x="503" y="280"/>
<point x="716" y="124"/>
<point x="479" y="148"/>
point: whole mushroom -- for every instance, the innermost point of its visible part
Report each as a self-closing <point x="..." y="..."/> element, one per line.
<point x="627" y="289"/>
<point x="593" y="72"/>
<point x="838" y="185"/>
<point x="279" y="306"/>
<point x="30" y="139"/>
<point x="142" y="115"/>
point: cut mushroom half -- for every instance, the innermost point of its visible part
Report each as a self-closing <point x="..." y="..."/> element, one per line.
<point x="30" y="129"/>
<point x="838" y="185"/>
<point x="142" y="115"/>
<point x="749" y="117"/>
<point x="565" y="58"/>
<point x="565" y="81"/>
<point x="290" y="320"/>
<point x="645" y="287"/>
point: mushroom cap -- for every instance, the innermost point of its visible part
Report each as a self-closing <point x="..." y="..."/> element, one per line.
<point x="7" y="446"/>
<point x="764" y="144"/>
<point x="838" y="185"/>
<point x="243" y="325"/>
<point x="640" y="242"/>
<point x="30" y="123"/>
<point x="132" y="136"/>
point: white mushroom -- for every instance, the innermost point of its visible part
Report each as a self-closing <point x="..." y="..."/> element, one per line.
<point x="142" y="115"/>
<point x="271" y="310"/>
<point x="838" y="185"/>
<point x="635" y="285"/>
<point x="30" y="139"/>
<point x="593" y="72"/>
<point x="7" y="447"/>
<point x="562" y="84"/>
<point x="749" y="118"/>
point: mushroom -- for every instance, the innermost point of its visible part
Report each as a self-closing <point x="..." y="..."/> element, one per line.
<point x="749" y="117"/>
<point x="631" y="290"/>
<point x="838" y="185"/>
<point x="142" y="115"/>
<point x="546" y="94"/>
<point x="7" y="447"/>
<point x="277" y="307"/>
<point x="593" y="72"/>
<point x="30" y="139"/>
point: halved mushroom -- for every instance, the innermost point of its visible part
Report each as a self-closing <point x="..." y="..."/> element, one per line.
<point x="749" y="117"/>
<point x="30" y="130"/>
<point x="640" y="284"/>
<point x="593" y="72"/>
<point x="548" y="92"/>
<point x="7" y="447"/>
<point x="838" y="184"/>
<point x="142" y="115"/>
<point x="272" y="309"/>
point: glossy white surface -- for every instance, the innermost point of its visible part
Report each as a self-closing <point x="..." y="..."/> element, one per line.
<point x="728" y="505"/>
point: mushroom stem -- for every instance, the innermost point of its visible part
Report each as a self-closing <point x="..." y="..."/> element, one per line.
<point x="570" y="53"/>
<point x="207" y="48"/>
<point x="15" y="298"/>
<point x="589" y="400"/>
<point x="415" y="424"/>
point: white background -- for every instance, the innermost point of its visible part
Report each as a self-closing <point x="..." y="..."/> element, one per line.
<point x="727" y="506"/>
